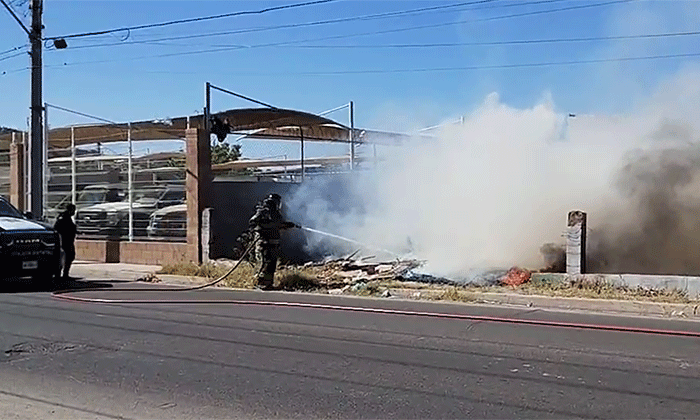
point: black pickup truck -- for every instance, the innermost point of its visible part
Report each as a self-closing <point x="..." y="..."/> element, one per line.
<point x="27" y="248"/>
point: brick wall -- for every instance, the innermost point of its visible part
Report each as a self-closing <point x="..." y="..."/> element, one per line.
<point x="17" y="178"/>
<point x="158" y="253"/>
<point x="152" y="253"/>
<point x="99" y="251"/>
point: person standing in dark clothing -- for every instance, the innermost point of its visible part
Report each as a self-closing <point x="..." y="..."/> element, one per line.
<point x="267" y="222"/>
<point x="67" y="230"/>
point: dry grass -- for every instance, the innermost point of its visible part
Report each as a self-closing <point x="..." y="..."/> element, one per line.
<point x="314" y="279"/>
<point x="456" y="294"/>
<point x="191" y="269"/>
<point x="600" y="289"/>
<point x="242" y="277"/>
<point x="296" y="278"/>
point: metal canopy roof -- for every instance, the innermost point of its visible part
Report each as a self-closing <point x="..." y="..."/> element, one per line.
<point x="260" y="123"/>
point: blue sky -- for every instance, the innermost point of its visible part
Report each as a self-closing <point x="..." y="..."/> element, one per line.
<point x="136" y="81"/>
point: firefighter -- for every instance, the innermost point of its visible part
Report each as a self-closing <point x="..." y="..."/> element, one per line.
<point x="65" y="226"/>
<point x="266" y="223"/>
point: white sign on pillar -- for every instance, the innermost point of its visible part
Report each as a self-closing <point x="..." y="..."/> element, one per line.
<point x="576" y="243"/>
<point x="206" y="234"/>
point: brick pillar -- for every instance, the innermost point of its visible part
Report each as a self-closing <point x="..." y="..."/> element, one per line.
<point x="576" y="243"/>
<point x="198" y="186"/>
<point x="17" y="176"/>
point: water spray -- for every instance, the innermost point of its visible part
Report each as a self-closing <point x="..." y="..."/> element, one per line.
<point x="352" y="241"/>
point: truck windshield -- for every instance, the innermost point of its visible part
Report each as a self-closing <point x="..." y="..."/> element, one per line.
<point x="147" y="196"/>
<point x="6" y="210"/>
<point x="90" y="197"/>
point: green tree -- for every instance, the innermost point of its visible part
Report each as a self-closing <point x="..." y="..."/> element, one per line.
<point x="224" y="152"/>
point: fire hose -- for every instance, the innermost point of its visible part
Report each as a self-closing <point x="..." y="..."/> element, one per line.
<point x="69" y="295"/>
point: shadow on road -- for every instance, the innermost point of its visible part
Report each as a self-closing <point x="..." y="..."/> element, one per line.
<point x="29" y="285"/>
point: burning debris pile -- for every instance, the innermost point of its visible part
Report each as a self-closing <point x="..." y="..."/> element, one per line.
<point x="344" y="271"/>
<point x="516" y="276"/>
<point x="348" y="271"/>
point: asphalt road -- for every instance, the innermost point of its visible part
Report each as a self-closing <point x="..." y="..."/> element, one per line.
<point x="205" y="358"/>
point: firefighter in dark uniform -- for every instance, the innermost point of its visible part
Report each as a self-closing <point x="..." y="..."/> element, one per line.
<point x="66" y="229"/>
<point x="267" y="222"/>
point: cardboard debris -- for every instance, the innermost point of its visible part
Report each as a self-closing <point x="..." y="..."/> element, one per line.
<point x="351" y="271"/>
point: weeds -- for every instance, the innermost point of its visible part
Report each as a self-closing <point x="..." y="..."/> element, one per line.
<point x="292" y="278"/>
<point x="191" y="269"/>
<point x="598" y="288"/>
<point x="455" y="294"/>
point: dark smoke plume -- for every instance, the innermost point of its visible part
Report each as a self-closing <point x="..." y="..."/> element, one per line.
<point x="658" y="232"/>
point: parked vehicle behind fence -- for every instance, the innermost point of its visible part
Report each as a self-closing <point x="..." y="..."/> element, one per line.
<point x="89" y="196"/>
<point x="112" y="219"/>
<point x="169" y="222"/>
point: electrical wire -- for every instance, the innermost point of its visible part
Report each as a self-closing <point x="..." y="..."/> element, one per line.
<point x="14" y="15"/>
<point x="13" y="49"/>
<point x="318" y="23"/>
<point x="509" y="42"/>
<point x="416" y="70"/>
<point x="430" y="45"/>
<point x="284" y="43"/>
<point x="461" y="22"/>
<point x="404" y="29"/>
<point x="191" y="20"/>
<point x="13" y="56"/>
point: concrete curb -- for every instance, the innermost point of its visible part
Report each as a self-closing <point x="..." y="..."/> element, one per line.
<point x="627" y="307"/>
<point x="630" y="307"/>
<point x="687" y="284"/>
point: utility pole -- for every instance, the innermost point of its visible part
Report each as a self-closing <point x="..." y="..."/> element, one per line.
<point x="36" y="155"/>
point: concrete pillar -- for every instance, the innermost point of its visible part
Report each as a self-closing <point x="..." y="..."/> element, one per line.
<point x="17" y="175"/>
<point x="576" y="243"/>
<point x="206" y="234"/>
<point x="198" y="187"/>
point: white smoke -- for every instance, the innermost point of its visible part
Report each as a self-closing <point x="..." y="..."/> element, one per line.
<point x="489" y="192"/>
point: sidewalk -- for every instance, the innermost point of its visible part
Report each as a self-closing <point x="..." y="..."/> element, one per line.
<point x="133" y="272"/>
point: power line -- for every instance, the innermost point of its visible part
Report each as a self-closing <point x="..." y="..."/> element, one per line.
<point x="12" y="12"/>
<point x="285" y="43"/>
<point x="198" y="19"/>
<point x="433" y="69"/>
<point x="486" y="43"/>
<point x="499" y="66"/>
<point x="509" y="42"/>
<point x="13" y="49"/>
<point x="438" y="25"/>
<point x="6" y="72"/>
<point x="324" y="22"/>
<point x="12" y="56"/>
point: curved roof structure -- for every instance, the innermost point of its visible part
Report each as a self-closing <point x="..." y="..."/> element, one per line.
<point x="260" y="123"/>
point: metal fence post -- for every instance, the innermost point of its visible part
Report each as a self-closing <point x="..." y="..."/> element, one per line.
<point x="45" y="165"/>
<point x="301" y="136"/>
<point x="72" y="165"/>
<point x="352" y="136"/>
<point x="130" y="185"/>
